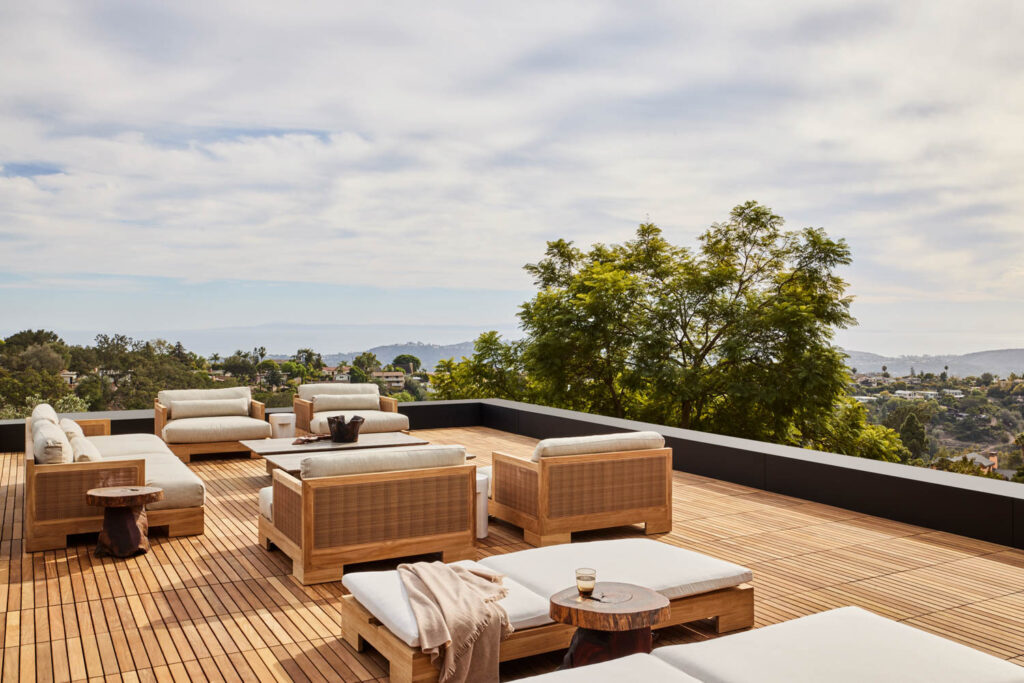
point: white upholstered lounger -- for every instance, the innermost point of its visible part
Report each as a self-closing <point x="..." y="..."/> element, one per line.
<point x="847" y="645"/>
<point x="699" y="587"/>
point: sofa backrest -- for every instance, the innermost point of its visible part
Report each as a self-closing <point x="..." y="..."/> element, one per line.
<point x="169" y="396"/>
<point x="598" y="443"/>
<point x="381" y="460"/>
<point x="308" y="391"/>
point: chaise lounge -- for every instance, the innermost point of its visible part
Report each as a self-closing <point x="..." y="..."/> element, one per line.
<point x="698" y="587"/>
<point x="314" y="403"/>
<point x="372" y="504"/>
<point x="582" y="483"/>
<point x="59" y="469"/>
<point x="193" y="421"/>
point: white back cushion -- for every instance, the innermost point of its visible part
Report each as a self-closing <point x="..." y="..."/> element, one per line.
<point x="381" y="460"/>
<point x="169" y="396"/>
<point x="84" y="450"/>
<point x="218" y="407"/>
<point x="44" y="411"/>
<point x="325" y="402"/>
<point x="50" y="444"/>
<point x="308" y="391"/>
<point x="71" y="428"/>
<point x="599" y="443"/>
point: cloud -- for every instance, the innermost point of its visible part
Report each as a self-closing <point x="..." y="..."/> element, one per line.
<point x="439" y="146"/>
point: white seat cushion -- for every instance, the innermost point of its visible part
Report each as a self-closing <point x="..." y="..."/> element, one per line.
<point x="266" y="502"/>
<point x="308" y="391"/>
<point x="673" y="572"/>
<point x="376" y="421"/>
<point x="381" y="460"/>
<point x="638" y="667"/>
<point x="847" y="645"/>
<point x="182" y="488"/>
<point x="599" y="443"/>
<point x="383" y="595"/>
<point x="128" y="444"/>
<point x="213" y="429"/>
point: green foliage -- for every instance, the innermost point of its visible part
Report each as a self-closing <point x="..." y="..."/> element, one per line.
<point x="309" y="358"/>
<point x="963" y="466"/>
<point x="407" y="362"/>
<point x="403" y="396"/>
<point x="275" y="399"/>
<point x="68" y="403"/>
<point x="414" y="389"/>
<point x="913" y="436"/>
<point x="96" y="391"/>
<point x="847" y="431"/>
<point x="986" y="379"/>
<point x="1019" y="475"/>
<point x="367" y="362"/>
<point x="357" y="376"/>
<point x="494" y="371"/>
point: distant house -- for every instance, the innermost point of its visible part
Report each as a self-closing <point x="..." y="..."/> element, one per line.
<point x="986" y="462"/>
<point x="912" y="394"/>
<point x="393" y="379"/>
<point x="865" y="399"/>
<point x="338" y="373"/>
<point x="953" y="393"/>
<point x="927" y="394"/>
<point x="70" y="378"/>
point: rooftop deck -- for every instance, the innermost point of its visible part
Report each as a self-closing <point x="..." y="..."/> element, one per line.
<point x="219" y="607"/>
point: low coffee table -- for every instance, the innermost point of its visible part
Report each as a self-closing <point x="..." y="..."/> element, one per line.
<point x="283" y="454"/>
<point x="125" y="524"/>
<point x="614" y="623"/>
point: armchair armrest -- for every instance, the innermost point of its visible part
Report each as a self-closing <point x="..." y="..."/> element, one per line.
<point x="258" y="410"/>
<point x="288" y="505"/>
<point x="303" y="410"/>
<point x="95" y="427"/>
<point x="57" y="492"/>
<point x="515" y="483"/>
<point x="159" y="417"/>
<point x="388" y="404"/>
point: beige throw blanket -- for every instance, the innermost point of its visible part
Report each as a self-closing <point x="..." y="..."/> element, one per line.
<point x="459" y="618"/>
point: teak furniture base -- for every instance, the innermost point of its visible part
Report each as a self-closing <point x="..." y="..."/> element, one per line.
<point x="185" y="451"/>
<point x="731" y="608"/>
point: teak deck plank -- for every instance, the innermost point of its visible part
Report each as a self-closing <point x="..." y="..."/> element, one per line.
<point x="218" y="607"/>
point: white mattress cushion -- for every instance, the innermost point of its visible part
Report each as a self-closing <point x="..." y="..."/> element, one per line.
<point x="362" y="461"/>
<point x="598" y="443"/>
<point x="308" y="391"/>
<point x="383" y="595"/>
<point x="169" y="396"/>
<point x="266" y="502"/>
<point x="847" y="645"/>
<point x="215" y="429"/>
<point x="673" y="572"/>
<point x="128" y="444"/>
<point x="639" y="667"/>
<point x="376" y="421"/>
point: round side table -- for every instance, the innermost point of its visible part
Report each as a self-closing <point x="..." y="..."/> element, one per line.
<point x="125" y="525"/>
<point x="616" y="621"/>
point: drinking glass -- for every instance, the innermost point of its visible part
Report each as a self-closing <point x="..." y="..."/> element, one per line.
<point x="585" y="580"/>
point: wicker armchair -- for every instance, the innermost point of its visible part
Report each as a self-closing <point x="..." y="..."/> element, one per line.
<point x="211" y="432"/>
<point x="325" y="522"/>
<point x="598" y="483"/>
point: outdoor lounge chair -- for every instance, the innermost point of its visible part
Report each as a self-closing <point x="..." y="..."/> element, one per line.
<point x="372" y="504"/>
<point x="192" y="421"/>
<point x="581" y="483"/>
<point x="314" y="403"/>
<point x="698" y="587"/>
<point x="846" y="645"/>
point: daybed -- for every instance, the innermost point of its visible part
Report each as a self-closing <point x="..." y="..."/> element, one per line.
<point x="314" y="403"/>
<point x="847" y="645"/>
<point x="59" y="469"/>
<point x="193" y="421"/>
<point x="698" y="587"/>
<point x="371" y="504"/>
<point x="581" y="483"/>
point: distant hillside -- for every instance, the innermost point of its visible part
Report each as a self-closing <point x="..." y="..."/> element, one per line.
<point x="429" y="354"/>
<point x="1001" y="363"/>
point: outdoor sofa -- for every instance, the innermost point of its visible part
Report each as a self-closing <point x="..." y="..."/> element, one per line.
<point x="371" y="504"/>
<point x="192" y="421"/>
<point x="586" y="482"/>
<point x="846" y="645"/>
<point x="314" y="403"/>
<point x="66" y="458"/>
<point x="698" y="587"/>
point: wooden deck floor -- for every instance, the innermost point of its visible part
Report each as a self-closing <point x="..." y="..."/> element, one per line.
<point x="218" y="607"/>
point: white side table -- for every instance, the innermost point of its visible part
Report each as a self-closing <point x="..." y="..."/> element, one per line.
<point x="282" y="425"/>
<point x="482" y="484"/>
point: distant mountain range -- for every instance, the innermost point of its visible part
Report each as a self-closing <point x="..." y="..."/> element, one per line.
<point x="428" y="354"/>
<point x="1001" y="363"/>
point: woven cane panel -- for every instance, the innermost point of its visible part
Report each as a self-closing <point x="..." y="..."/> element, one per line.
<point x="606" y="485"/>
<point x="288" y="512"/>
<point x="390" y="510"/>
<point x="515" y="487"/>
<point x="61" y="495"/>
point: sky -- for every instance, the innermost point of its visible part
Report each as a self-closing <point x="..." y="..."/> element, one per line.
<point x="170" y="168"/>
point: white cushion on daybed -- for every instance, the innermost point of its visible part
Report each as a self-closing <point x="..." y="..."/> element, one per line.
<point x="169" y="396"/>
<point x="380" y="460"/>
<point x="376" y="421"/>
<point x="673" y="572"/>
<point x="182" y="488"/>
<point x="213" y="429"/>
<point x="308" y="391"/>
<point x="383" y="595"/>
<point x="638" y="667"/>
<point x="848" y="645"/>
<point x="598" y="443"/>
<point x="128" y="444"/>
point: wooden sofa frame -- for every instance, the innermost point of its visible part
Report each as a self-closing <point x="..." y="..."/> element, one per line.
<point x="55" y="504"/>
<point x="185" y="451"/>
<point x="731" y="608"/>
<point x="324" y="523"/>
<point x="303" y="410"/>
<point x="558" y="495"/>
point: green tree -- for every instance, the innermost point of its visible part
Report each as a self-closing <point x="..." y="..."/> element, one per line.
<point x="986" y="378"/>
<point x="407" y="362"/>
<point x="847" y="431"/>
<point x="240" y="365"/>
<point x="311" y="359"/>
<point x="913" y="436"/>
<point x="495" y="370"/>
<point x="357" y="376"/>
<point x="404" y="397"/>
<point x="96" y="391"/>
<point x="367" y="362"/>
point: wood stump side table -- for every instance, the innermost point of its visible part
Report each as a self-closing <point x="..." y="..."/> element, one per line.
<point x="615" y="622"/>
<point x="125" y="524"/>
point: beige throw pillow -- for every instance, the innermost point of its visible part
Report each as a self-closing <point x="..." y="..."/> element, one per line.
<point x="325" y="402"/>
<point x="219" y="407"/>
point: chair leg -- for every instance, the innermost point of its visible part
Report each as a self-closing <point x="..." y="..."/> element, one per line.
<point x="36" y="544"/>
<point x="548" y="539"/>
<point x="658" y="526"/>
<point x="307" y="576"/>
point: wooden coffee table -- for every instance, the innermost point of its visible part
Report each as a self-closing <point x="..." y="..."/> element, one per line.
<point x="614" y="623"/>
<point x="125" y="524"/>
<point x="286" y="456"/>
